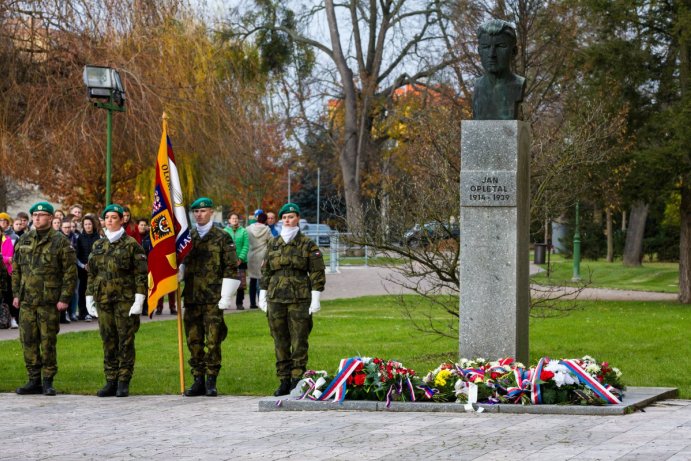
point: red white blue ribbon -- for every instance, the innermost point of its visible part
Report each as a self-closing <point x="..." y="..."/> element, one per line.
<point x="337" y="387"/>
<point x="593" y="384"/>
<point x="535" y="394"/>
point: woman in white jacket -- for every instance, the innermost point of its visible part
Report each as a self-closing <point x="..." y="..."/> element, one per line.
<point x="259" y="235"/>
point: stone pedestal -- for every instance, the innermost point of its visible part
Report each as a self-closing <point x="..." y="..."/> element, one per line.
<point x="494" y="259"/>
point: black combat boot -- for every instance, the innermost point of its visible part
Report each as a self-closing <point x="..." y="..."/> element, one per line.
<point x="48" y="388"/>
<point x="284" y="388"/>
<point x="32" y="387"/>
<point x="294" y="382"/>
<point x="109" y="389"/>
<point x="123" y="389"/>
<point x="197" y="388"/>
<point x="211" y="386"/>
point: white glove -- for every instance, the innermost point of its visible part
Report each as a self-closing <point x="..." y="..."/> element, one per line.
<point x="263" y="305"/>
<point x="181" y="272"/>
<point x="91" y="307"/>
<point x="315" y="306"/>
<point x="228" y="289"/>
<point x="136" y="308"/>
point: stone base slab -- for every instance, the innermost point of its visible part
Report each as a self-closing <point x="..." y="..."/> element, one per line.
<point x="635" y="398"/>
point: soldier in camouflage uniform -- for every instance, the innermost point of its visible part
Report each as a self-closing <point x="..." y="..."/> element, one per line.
<point x="292" y="281"/>
<point x="210" y="270"/>
<point x="43" y="280"/>
<point x="115" y="293"/>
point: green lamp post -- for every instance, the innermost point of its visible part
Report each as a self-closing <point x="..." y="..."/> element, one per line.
<point x="576" y="250"/>
<point x="105" y="88"/>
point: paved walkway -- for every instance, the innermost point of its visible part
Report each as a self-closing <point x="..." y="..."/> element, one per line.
<point x="69" y="427"/>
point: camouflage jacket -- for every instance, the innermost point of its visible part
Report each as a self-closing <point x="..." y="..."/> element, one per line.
<point x="117" y="271"/>
<point x="211" y="260"/>
<point x="44" y="269"/>
<point x="291" y="271"/>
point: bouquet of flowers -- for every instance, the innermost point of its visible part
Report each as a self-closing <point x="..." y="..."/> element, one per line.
<point x="574" y="381"/>
<point x="363" y="378"/>
<point x="583" y="381"/>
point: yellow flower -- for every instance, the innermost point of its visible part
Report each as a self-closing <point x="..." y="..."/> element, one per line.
<point x="441" y="378"/>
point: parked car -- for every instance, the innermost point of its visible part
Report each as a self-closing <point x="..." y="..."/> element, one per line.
<point x="322" y="232"/>
<point x="430" y="232"/>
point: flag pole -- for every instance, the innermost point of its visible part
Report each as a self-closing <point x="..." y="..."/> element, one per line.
<point x="180" y="354"/>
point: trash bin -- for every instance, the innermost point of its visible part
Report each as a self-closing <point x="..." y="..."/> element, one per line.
<point x="540" y="251"/>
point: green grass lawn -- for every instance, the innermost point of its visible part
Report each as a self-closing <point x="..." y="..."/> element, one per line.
<point x="651" y="276"/>
<point x="647" y="341"/>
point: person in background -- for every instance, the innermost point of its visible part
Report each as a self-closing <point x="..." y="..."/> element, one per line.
<point x="271" y="222"/>
<point x="129" y="225"/>
<point x="21" y="223"/>
<point x="210" y="265"/>
<point x="115" y="293"/>
<point x="44" y="277"/>
<point x="91" y="232"/>
<point x="7" y="241"/>
<point x="259" y="236"/>
<point x="293" y="278"/>
<point x="57" y="223"/>
<point x="70" y="315"/>
<point x="59" y="214"/>
<point x="242" y="246"/>
<point x="77" y="211"/>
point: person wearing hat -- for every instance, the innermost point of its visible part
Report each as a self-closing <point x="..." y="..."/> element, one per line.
<point x="210" y="274"/>
<point x="115" y="294"/>
<point x="293" y="278"/>
<point x="44" y="277"/>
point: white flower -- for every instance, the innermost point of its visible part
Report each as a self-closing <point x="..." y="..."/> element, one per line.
<point x="592" y="368"/>
<point x="588" y="359"/>
<point x="617" y="372"/>
<point x="562" y="375"/>
<point x="519" y="365"/>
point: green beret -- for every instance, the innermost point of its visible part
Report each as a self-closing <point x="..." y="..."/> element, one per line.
<point x="288" y="208"/>
<point x="202" y="202"/>
<point x="41" y="206"/>
<point x="113" y="207"/>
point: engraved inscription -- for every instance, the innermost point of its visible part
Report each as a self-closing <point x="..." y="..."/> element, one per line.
<point x="488" y="188"/>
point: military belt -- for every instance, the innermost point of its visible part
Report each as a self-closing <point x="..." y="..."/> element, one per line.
<point x="290" y="273"/>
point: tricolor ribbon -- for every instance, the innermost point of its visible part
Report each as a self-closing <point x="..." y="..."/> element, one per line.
<point x="337" y="387"/>
<point x="593" y="384"/>
<point x="535" y="394"/>
<point x="522" y="385"/>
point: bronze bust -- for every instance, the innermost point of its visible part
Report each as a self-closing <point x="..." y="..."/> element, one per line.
<point x="498" y="93"/>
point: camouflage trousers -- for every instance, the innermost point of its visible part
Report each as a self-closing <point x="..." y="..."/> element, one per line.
<point x="290" y="326"/>
<point x="204" y="327"/>
<point x="38" y="333"/>
<point x="117" y="329"/>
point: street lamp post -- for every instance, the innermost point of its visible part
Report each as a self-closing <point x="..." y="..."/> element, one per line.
<point x="289" y="172"/>
<point x="104" y="86"/>
<point x="576" y="250"/>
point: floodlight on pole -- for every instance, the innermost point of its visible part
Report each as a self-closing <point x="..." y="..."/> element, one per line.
<point x="105" y="90"/>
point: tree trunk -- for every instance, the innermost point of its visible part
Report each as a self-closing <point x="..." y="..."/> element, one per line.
<point x="349" y="159"/>
<point x="610" y="237"/>
<point x="3" y="193"/>
<point x="685" y="244"/>
<point x="633" y="249"/>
